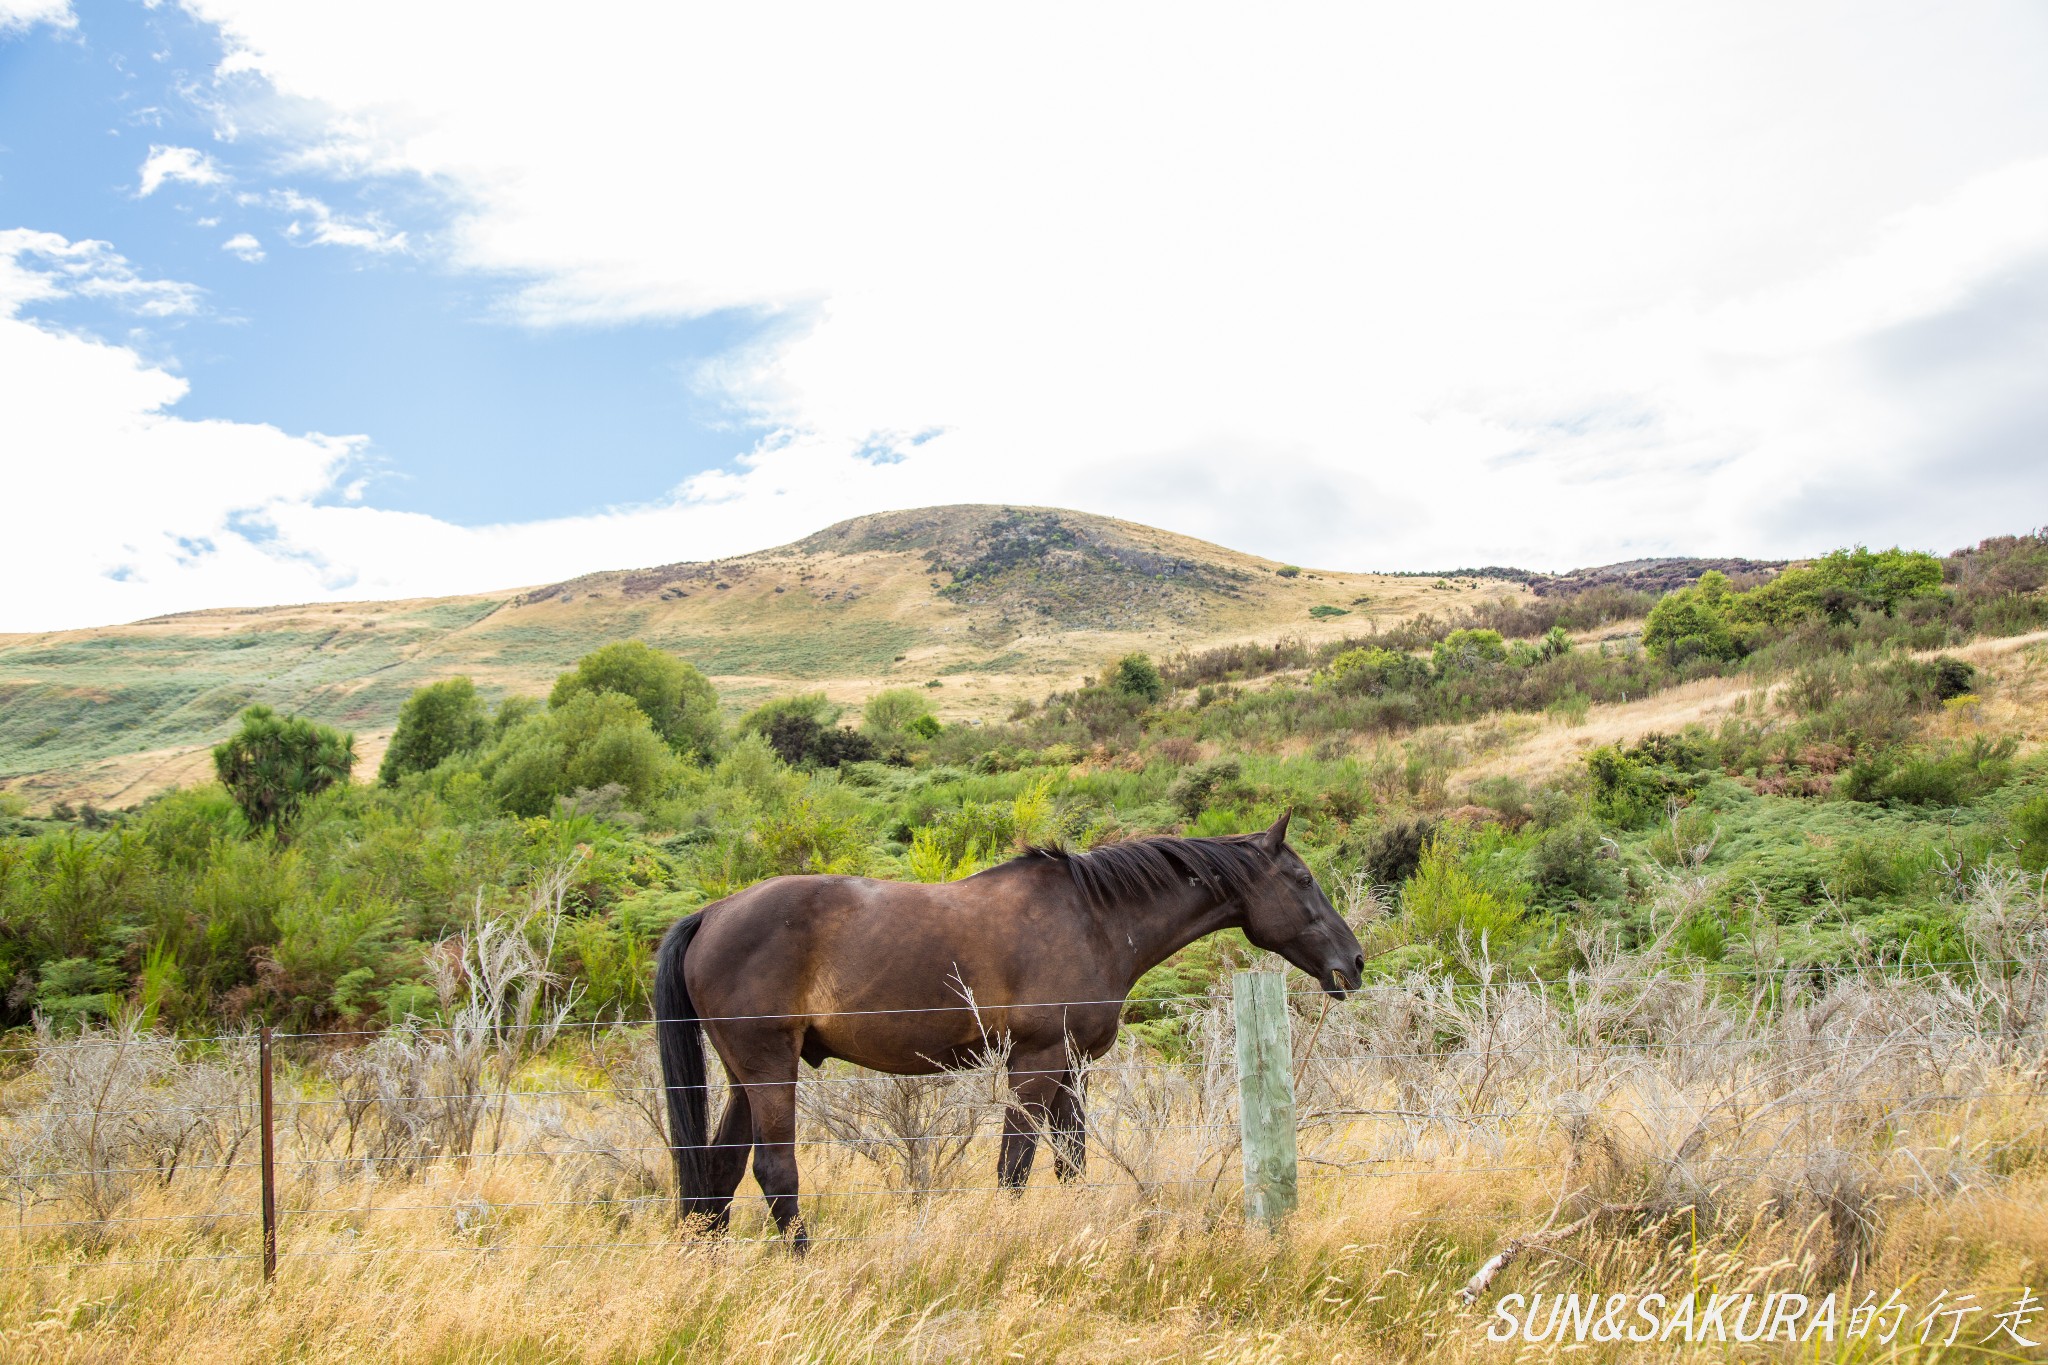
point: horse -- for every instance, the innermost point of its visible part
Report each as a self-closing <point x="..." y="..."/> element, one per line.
<point x="911" y="979"/>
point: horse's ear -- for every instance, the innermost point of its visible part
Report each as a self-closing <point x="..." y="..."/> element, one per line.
<point x="1276" y="837"/>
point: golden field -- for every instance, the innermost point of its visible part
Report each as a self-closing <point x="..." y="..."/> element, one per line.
<point x="1881" y="1131"/>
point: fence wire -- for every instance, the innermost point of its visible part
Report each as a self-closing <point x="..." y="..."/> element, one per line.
<point x="1368" y="1067"/>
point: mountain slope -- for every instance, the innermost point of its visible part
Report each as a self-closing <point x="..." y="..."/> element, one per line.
<point x="991" y="603"/>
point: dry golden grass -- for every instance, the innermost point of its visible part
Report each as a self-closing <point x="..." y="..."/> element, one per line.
<point x="1865" y="1134"/>
<point x="2015" y="703"/>
<point x="1366" y="1271"/>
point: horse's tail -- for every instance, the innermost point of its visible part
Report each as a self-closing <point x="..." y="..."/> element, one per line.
<point x="681" y="1040"/>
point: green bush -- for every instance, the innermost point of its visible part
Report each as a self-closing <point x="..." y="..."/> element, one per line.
<point x="1947" y="775"/>
<point x="1372" y="671"/>
<point x="898" y="711"/>
<point x="1137" y="679"/>
<point x="2030" y="831"/>
<point x="678" y="701"/>
<point x="591" y="741"/>
<point x="1391" y="855"/>
<point x="1200" y="785"/>
<point x="1834" y="588"/>
<point x="1462" y="651"/>
<point x="436" y="723"/>
<point x="804" y="733"/>
<point x="1450" y="905"/>
<point x="1567" y="859"/>
<point x="1687" y="625"/>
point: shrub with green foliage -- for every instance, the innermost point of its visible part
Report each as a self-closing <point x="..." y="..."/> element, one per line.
<point x="436" y="723"/>
<point x="1456" y="906"/>
<point x="274" y="764"/>
<point x="1392" y="854"/>
<point x="1463" y="651"/>
<point x="1638" y="783"/>
<point x="679" y="701"/>
<point x="1835" y="587"/>
<point x="1372" y="672"/>
<point x="1935" y="775"/>
<point x="1200" y="785"/>
<point x="2030" y="833"/>
<point x="897" y="712"/>
<point x="590" y="741"/>
<point x="1689" y="624"/>
<point x="1137" y="679"/>
<point x="804" y="733"/>
<point x="1567" y="859"/>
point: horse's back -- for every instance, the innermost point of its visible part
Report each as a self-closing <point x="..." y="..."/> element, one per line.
<point x="871" y="968"/>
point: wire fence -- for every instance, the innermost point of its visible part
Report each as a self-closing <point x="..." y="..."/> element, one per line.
<point x="1361" y="1109"/>
<point x="1813" y="973"/>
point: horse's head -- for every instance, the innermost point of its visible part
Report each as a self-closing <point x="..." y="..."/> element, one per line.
<point x="1288" y="914"/>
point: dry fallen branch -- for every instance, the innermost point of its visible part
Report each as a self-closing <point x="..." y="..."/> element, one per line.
<point x="1514" y="1247"/>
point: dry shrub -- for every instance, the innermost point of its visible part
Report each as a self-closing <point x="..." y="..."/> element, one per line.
<point x="916" y="1129"/>
<point x="116" y="1110"/>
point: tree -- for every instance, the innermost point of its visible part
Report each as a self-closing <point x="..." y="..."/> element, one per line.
<point x="804" y="732"/>
<point x="1137" y="679"/>
<point x="591" y="741"/>
<point x="1684" y="625"/>
<point x="678" y="700"/>
<point x="274" y="764"/>
<point x="437" y="722"/>
<point x="1838" y="585"/>
<point x="892" y="713"/>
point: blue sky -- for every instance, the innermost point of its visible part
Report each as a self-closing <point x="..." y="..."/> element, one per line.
<point x="320" y="299"/>
<point x="471" y="418"/>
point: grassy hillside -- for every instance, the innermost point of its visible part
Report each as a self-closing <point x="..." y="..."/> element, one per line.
<point x="991" y="604"/>
<point x="1706" y="933"/>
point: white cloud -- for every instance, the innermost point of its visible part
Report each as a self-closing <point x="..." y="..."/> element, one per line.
<point x="35" y="266"/>
<point x="1350" y="285"/>
<point x="1393" y="285"/>
<point x="314" y="222"/>
<point x="119" y="508"/>
<point x="166" y="164"/>
<point x="244" y="245"/>
<point x="16" y="15"/>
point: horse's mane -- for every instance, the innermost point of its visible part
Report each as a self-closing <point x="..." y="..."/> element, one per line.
<point x="1227" y="866"/>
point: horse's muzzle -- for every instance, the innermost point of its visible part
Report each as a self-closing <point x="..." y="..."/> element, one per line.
<point x="1339" y="983"/>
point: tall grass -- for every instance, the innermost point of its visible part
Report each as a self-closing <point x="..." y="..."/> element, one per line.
<point x="1867" y="1130"/>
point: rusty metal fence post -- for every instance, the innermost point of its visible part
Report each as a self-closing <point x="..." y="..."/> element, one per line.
<point x="269" y="1155"/>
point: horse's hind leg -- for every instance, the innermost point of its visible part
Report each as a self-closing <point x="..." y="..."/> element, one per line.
<point x="774" y="1107"/>
<point x="1020" y="1144"/>
<point x="728" y="1158"/>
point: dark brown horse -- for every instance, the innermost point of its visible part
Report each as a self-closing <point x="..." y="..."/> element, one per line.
<point x="1045" y="947"/>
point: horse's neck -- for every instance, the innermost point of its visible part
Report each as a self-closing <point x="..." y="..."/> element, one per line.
<point x="1160" y="926"/>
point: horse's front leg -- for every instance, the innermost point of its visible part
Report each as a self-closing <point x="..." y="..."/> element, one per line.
<point x="1069" y="1130"/>
<point x="1037" y="1079"/>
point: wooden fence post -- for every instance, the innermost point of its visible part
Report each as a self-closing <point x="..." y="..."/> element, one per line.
<point x="1265" y="1084"/>
<point x="269" y="1155"/>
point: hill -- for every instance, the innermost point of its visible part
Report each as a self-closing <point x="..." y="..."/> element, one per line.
<point x="985" y="605"/>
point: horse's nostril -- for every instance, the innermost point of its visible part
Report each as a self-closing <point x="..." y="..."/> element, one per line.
<point x="1359" y="964"/>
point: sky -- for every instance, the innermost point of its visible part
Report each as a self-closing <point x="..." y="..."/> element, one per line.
<point x="307" y="301"/>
